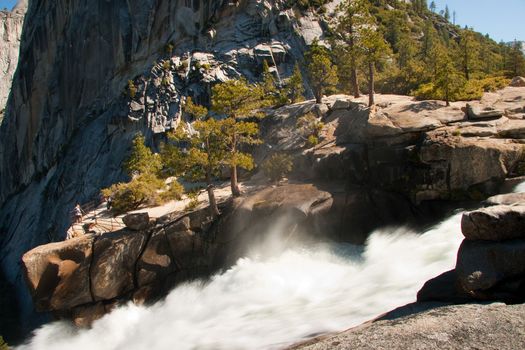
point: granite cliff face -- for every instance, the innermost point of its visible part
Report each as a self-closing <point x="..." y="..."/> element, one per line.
<point x="11" y="24"/>
<point x="69" y="122"/>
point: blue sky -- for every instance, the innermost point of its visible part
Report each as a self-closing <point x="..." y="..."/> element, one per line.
<point x="502" y="19"/>
<point x="7" y="3"/>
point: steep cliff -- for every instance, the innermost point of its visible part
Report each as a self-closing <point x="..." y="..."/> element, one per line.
<point x="68" y="124"/>
<point x="10" y="31"/>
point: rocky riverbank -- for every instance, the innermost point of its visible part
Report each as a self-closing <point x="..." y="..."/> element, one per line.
<point x="372" y="167"/>
<point x="489" y="271"/>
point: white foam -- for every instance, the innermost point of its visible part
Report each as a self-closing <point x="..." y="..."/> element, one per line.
<point x="266" y="303"/>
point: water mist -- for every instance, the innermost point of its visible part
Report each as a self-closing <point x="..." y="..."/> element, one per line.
<point x="267" y="301"/>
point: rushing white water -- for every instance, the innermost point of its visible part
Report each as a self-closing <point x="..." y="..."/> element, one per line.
<point x="267" y="303"/>
<point x="519" y="188"/>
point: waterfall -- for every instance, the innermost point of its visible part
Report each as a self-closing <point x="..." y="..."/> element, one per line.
<point x="272" y="301"/>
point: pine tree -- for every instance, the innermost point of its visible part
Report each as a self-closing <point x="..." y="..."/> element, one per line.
<point x="195" y="110"/>
<point x="429" y="40"/>
<point x="277" y="166"/>
<point x="322" y="74"/>
<point x="433" y="6"/>
<point x="237" y="134"/>
<point x="206" y="156"/>
<point x="515" y="62"/>
<point x="376" y="50"/>
<point x="295" y="85"/>
<point x="447" y="79"/>
<point x="142" y="160"/>
<point x="268" y="84"/>
<point x="447" y="13"/>
<point x="145" y="186"/>
<point x="468" y="52"/>
<point x="236" y="99"/>
<point x="406" y="50"/>
<point x="354" y="17"/>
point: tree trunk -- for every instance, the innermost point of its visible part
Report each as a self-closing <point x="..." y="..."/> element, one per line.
<point x="353" y="73"/>
<point x="467" y="63"/>
<point x="355" y="83"/>
<point x="318" y="96"/>
<point x="447" y="97"/>
<point x="371" y="100"/>
<point x="236" y="192"/>
<point x="214" y="210"/>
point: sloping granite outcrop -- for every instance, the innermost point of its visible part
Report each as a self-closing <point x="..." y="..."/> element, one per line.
<point x="430" y="326"/>
<point x="421" y="149"/>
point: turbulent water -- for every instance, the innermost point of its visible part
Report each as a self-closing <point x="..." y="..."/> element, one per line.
<point x="267" y="303"/>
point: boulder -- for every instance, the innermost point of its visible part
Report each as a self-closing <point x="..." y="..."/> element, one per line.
<point x="85" y="315"/>
<point x="506" y="199"/>
<point x="276" y="209"/>
<point x="341" y="103"/>
<point x="468" y="161"/>
<point x="517" y="82"/>
<point x="513" y="128"/>
<point x="113" y="266"/>
<point x="58" y="273"/>
<point x="478" y="111"/>
<point x="495" y="223"/>
<point x="156" y="261"/>
<point x="445" y="288"/>
<point x="320" y="110"/>
<point x="187" y="248"/>
<point x="482" y="265"/>
<point x="136" y="221"/>
<point x="200" y="220"/>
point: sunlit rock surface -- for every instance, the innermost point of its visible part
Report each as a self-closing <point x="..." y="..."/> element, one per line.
<point x="448" y="327"/>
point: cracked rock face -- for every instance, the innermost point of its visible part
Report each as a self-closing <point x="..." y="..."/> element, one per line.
<point x="70" y="119"/>
<point x="11" y="24"/>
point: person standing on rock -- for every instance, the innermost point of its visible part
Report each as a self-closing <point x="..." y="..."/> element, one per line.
<point x="77" y="212"/>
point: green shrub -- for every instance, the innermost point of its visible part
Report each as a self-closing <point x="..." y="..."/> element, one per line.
<point x="3" y="344"/>
<point x="165" y="82"/>
<point x="141" y="159"/>
<point x="472" y="90"/>
<point x="278" y="166"/>
<point x="194" y="200"/>
<point x="142" y="190"/>
<point x="166" y="65"/>
<point x="174" y="191"/>
<point x="313" y="140"/>
<point x="426" y="92"/>
<point x="132" y="89"/>
<point x="169" y="48"/>
<point x="309" y="128"/>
